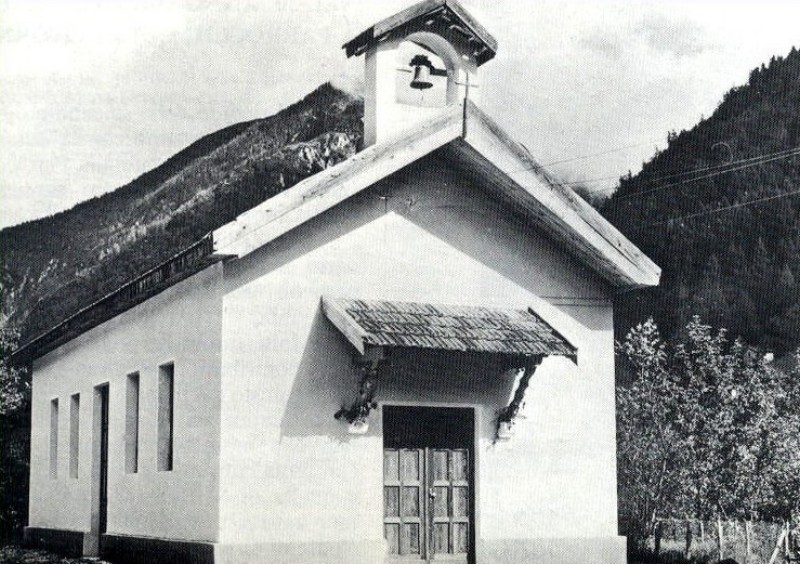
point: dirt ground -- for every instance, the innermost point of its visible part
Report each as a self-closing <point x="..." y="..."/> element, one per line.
<point x="17" y="555"/>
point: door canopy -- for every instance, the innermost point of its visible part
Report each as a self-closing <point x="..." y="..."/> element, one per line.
<point x="372" y="326"/>
<point x="378" y="323"/>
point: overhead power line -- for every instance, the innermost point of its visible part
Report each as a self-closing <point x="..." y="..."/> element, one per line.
<point x="682" y="173"/>
<point x="581" y="157"/>
<point x="719" y="169"/>
<point x="601" y="153"/>
<point x="723" y="165"/>
<point x="722" y="209"/>
<point x="596" y="179"/>
<point x="709" y="175"/>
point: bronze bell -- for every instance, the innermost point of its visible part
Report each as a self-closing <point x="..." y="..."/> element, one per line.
<point x="422" y="78"/>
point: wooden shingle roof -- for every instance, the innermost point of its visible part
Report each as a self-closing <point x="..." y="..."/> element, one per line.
<point x="379" y="323"/>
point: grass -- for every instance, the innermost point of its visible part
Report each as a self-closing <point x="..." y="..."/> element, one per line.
<point x="17" y="555"/>
<point x="707" y="552"/>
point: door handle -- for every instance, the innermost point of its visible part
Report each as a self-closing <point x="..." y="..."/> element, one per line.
<point x="431" y="493"/>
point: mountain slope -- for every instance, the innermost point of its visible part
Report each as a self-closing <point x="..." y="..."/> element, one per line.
<point x="52" y="267"/>
<point x="737" y="268"/>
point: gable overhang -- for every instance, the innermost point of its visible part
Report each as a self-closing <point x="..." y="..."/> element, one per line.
<point x="491" y="158"/>
<point x="509" y="171"/>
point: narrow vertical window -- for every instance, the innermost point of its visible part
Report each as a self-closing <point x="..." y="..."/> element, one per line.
<point x="166" y="387"/>
<point x="74" y="434"/>
<point x="54" y="438"/>
<point x="132" y="424"/>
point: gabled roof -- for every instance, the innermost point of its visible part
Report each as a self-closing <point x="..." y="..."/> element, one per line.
<point x="380" y="323"/>
<point x="464" y="134"/>
<point x="447" y="17"/>
<point x="480" y="147"/>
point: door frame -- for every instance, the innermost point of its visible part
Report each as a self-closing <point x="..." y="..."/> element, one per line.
<point x="475" y="489"/>
<point x="101" y="402"/>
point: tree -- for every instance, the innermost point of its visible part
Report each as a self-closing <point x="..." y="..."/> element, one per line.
<point x="649" y="449"/>
<point x="710" y="300"/>
<point x="706" y="427"/>
<point x="14" y="386"/>
<point x="14" y="440"/>
<point x="739" y="426"/>
<point x="752" y="244"/>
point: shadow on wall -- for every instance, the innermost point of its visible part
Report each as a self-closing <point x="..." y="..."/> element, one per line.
<point x="448" y="377"/>
<point x="327" y="379"/>
<point x="459" y="209"/>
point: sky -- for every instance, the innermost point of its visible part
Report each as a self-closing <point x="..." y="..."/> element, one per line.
<point x="94" y="93"/>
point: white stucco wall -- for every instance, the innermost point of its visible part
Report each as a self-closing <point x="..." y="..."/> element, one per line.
<point x="294" y="484"/>
<point x="180" y="325"/>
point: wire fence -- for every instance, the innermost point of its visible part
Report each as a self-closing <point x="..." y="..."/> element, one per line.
<point x="744" y="542"/>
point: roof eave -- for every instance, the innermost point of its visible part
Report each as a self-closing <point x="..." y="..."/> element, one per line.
<point x="315" y="194"/>
<point x="185" y="264"/>
<point x="560" y="211"/>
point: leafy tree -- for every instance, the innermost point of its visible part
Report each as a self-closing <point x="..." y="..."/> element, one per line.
<point x="707" y="427"/>
<point x="648" y="439"/>
<point x="14" y="441"/>
<point x="14" y="384"/>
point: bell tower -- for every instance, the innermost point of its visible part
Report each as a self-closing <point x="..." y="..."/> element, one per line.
<point x="418" y="61"/>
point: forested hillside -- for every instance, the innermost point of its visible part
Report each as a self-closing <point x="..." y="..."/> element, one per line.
<point x="719" y="211"/>
<point x="53" y="266"/>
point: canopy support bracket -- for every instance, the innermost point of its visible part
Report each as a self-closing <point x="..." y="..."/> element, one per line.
<point x="369" y="364"/>
<point x="508" y="415"/>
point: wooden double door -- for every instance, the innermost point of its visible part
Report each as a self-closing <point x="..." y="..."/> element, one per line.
<point x="428" y="483"/>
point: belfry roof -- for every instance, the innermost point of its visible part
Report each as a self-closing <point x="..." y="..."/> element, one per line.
<point x="446" y="17"/>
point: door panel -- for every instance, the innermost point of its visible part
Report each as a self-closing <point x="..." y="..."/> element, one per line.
<point x="450" y="493"/>
<point x="403" y="502"/>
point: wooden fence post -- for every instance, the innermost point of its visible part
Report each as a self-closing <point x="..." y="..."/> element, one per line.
<point x="720" y="534"/>
<point x="786" y="539"/>
<point x="688" y="538"/>
<point x="657" y="538"/>
<point x="748" y="530"/>
<point x="778" y="545"/>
